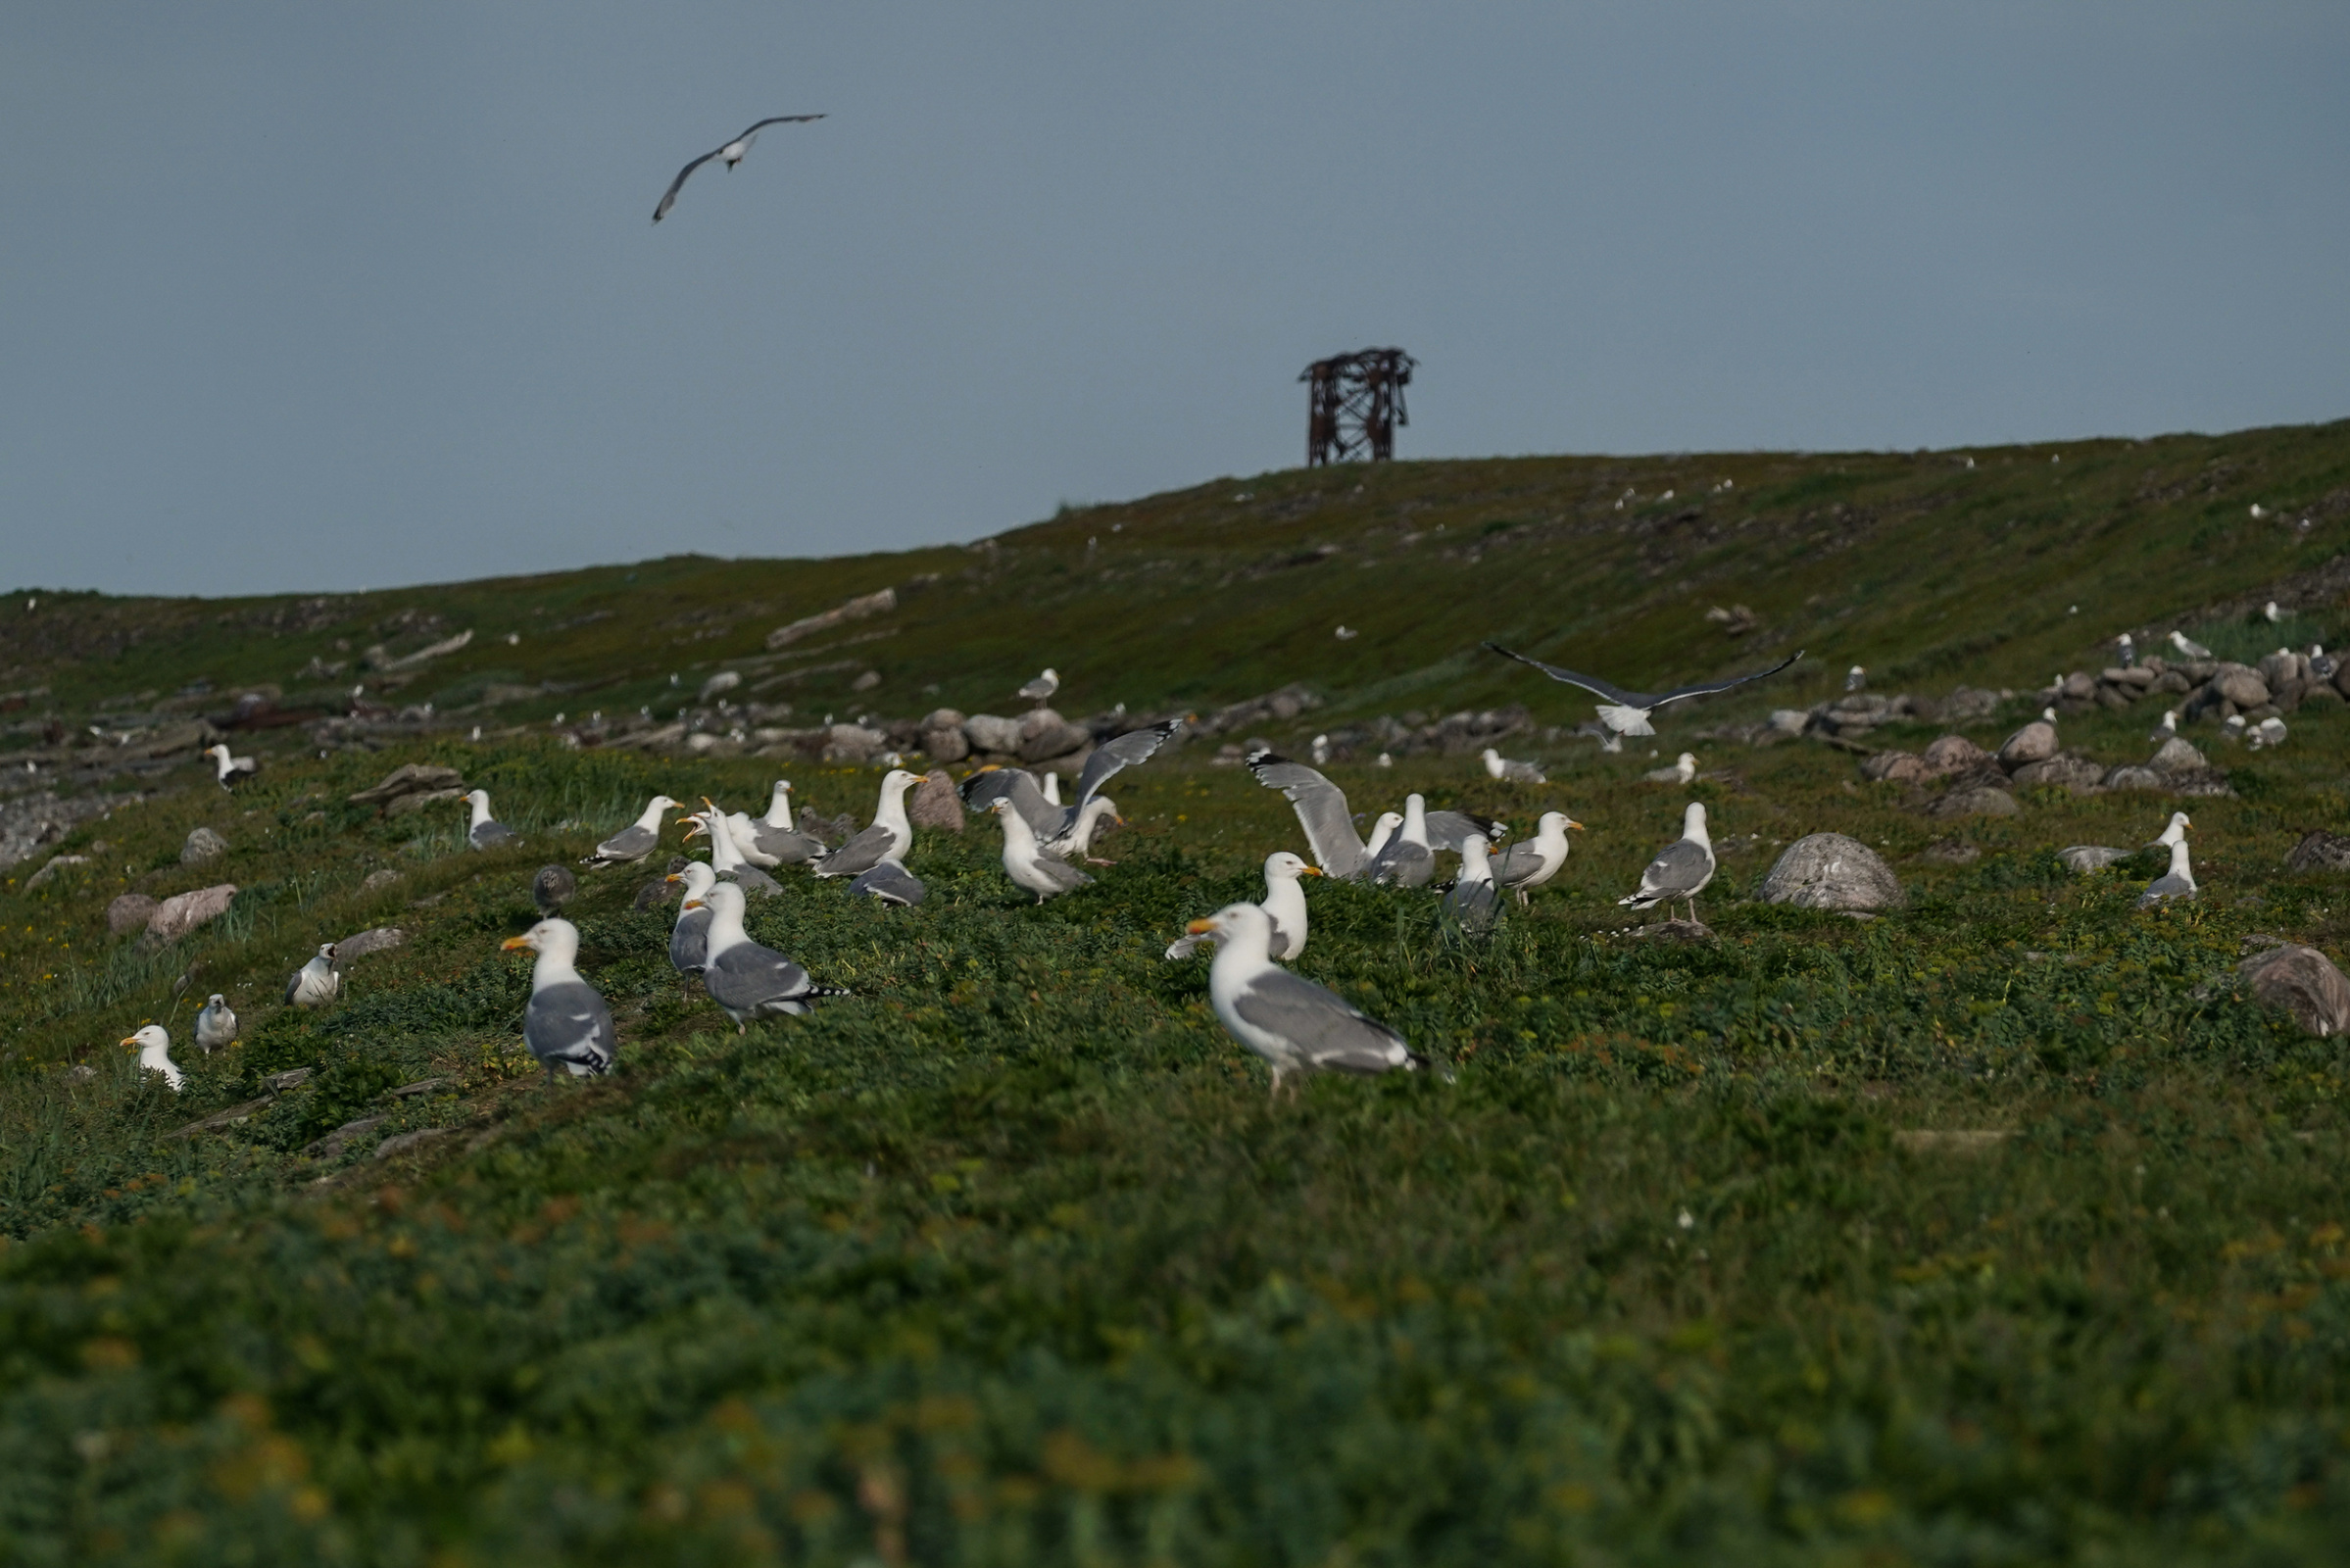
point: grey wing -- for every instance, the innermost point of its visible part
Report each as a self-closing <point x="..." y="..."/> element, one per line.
<point x="631" y="843"/>
<point x="669" y="198"/>
<point x="292" y="986"/>
<point x="1446" y="829"/>
<point x="1020" y="785"/>
<point x="1705" y="688"/>
<point x="1589" y="683"/>
<point x="1680" y="869"/>
<point x="492" y="834"/>
<point x="748" y="976"/>
<point x="1472" y="903"/>
<point x="1521" y="862"/>
<point x="568" y="1023"/>
<point x="1134" y="746"/>
<point x="1321" y="808"/>
<point x="861" y="854"/>
<point x="2165" y="887"/>
<point x="778" y="119"/>
<point x="751" y="879"/>
<point x="1279" y="947"/>
<point x="689" y="942"/>
<point x="1403" y="864"/>
<point x="1322" y="1026"/>
<point x="891" y="883"/>
<point x="788" y="846"/>
<point x="1064" y="877"/>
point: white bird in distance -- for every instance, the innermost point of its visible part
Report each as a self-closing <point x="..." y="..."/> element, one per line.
<point x="732" y="154"/>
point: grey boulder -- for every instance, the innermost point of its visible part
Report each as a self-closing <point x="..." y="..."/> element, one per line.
<point x="1829" y="871"/>
<point x="2303" y="982"/>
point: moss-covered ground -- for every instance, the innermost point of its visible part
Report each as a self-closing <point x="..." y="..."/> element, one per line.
<point x="1010" y="1259"/>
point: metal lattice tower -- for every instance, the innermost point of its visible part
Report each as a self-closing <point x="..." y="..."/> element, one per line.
<point x="1354" y="403"/>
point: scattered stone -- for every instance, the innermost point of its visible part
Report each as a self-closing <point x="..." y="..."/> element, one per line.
<point x="857" y="608"/>
<point x="223" y="1118"/>
<point x="402" y="1143"/>
<point x="935" y="803"/>
<point x="1953" y="852"/>
<point x="725" y="680"/>
<point x="422" y="1085"/>
<point x="989" y="733"/>
<point x="292" y="1078"/>
<point x="55" y="865"/>
<point x="1675" y="930"/>
<point x="2036" y="742"/>
<point x="2319" y="851"/>
<point x="2131" y="776"/>
<point x="1954" y="754"/>
<point x="412" y="778"/>
<point x="2067" y="770"/>
<point x="201" y="844"/>
<point x="942" y="739"/>
<point x="420" y="801"/>
<point x="2240" y="685"/>
<point x="378" y="940"/>
<point x="2087" y="857"/>
<point x="343" y="1137"/>
<point x="1900" y="767"/>
<point x="2177" y="756"/>
<point x="852" y="744"/>
<point x="2303" y="982"/>
<point x="1044" y="735"/>
<point x="378" y="879"/>
<point x="1976" y="801"/>
<point x="130" y="912"/>
<point x="183" y="912"/>
<point x="1829" y="871"/>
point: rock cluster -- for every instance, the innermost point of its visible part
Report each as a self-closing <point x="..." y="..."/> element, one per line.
<point x="1977" y="783"/>
<point x="2205" y="688"/>
<point x="412" y="788"/>
<point x="1462" y="734"/>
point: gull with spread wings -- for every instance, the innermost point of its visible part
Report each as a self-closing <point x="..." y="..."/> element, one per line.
<point x="732" y="154"/>
<point x="1627" y="713"/>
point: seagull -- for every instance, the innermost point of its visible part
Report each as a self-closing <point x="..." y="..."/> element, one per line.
<point x="748" y="981"/>
<point x="2267" y="732"/>
<point x="233" y="771"/>
<point x="2168" y="727"/>
<point x="774" y="836"/>
<point x="731" y="154"/>
<point x="1079" y="839"/>
<point x="155" y="1054"/>
<point x="1502" y="767"/>
<point x="2174" y="833"/>
<point x="891" y="883"/>
<point x="1472" y="901"/>
<point x="1684" y="769"/>
<point x="2232" y="730"/>
<point x="1040" y="690"/>
<point x="726" y="861"/>
<point x="635" y="840"/>
<point x="1681" y="869"/>
<point x="1347" y="634"/>
<point x="566" y="1023"/>
<point x="1024" y="861"/>
<point x="1052" y="789"/>
<point x="2321" y="663"/>
<point x="1322" y="812"/>
<point x="887" y="839"/>
<point x="1406" y="860"/>
<point x="1627" y="713"/>
<point x="2179" y="882"/>
<point x="1293" y="1024"/>
<point x="689" y="939"/>
<point x="1284" y="905"/>
<point x="2129" y="651"/>
<point x="2193" y="650"/>
<point x="1065" y="829"/>
<point x="1320" y="750"/>
<point x="551" y="888"/>
<point x="1608" y="739"/>
<point x="216" y="1025"/>
<point x="1856" y="678"/>
<point x="486" y="834"/>
<point x="1385" y="761"/>
<point x="2274" y="614"/>
<point x="316" y="983"/>
<point x="1528" y="865"/>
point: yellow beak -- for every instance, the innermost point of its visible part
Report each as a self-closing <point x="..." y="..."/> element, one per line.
<point x="130" y="1042"/>
<point x="675" y="876"/>
<point x="691" y="903"/>
<point x="1309" y="871"/>
<point x="512" y="943"/>
<point x="1199" y="928"/>
<point x="1570" y="822"/>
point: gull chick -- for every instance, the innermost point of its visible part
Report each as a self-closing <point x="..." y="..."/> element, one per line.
<point x="216" y="1025"/>
<point x="316" y="983"/>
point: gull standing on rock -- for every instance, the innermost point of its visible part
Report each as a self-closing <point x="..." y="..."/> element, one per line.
<point x="1627" y="713"/>
<point x="155" y="1054"/>
<point x="635" y="840"/>
<point x="487" y="833"/>
<point x="316" y="983"/>
<point x="1528" y="865"/>
<point x="2129" y="650"/>
<point x="731" y="154"/>
<point x="232" y="770"/>
<point x="1513" y="772"/>
<point x="1024" y="861"/>
<point x="688" y="938"/>
<point x="1293" y="1024"/>
<point x="1284" y="905"/>
<point x="1681" y="869"/>
<point x="749" y="981"/>
<point x="566" y="1023"/>
<point x="887" y="839"/>
<point x="1856" y="678"/>
<point x="216" y="1025"/>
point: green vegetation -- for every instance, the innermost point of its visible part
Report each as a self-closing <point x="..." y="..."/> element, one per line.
<point x="1010" y="1259"/>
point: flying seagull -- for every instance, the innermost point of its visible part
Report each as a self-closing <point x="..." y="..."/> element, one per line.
<point x="1627" y="713"/>
<point x="1068" y="830"/>
<point x="731" y="152"/>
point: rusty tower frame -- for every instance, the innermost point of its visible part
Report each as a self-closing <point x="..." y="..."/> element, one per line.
<point x="1354" y="403"/>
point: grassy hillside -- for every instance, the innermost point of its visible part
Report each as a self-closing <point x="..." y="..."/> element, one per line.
<point x="1925" y="568"/>
<point x="1008" y="1259"/>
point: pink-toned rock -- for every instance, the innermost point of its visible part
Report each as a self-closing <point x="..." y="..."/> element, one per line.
<point x="183" y="912"/>
<point x="1954" y="754"/>
<point x="2304" y="983"/>
<point x="130" y="912"/>
<point x="2036" y="742"/>
<point x="1902" y="767"/>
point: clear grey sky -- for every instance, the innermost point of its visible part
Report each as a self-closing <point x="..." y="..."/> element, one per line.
<point x="319" y="296"/>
